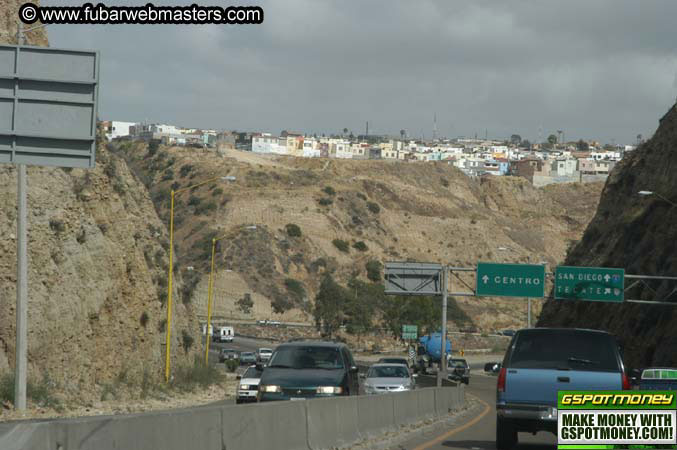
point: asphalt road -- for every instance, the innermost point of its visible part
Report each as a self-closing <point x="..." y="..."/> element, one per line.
<point x="478" y="432"/>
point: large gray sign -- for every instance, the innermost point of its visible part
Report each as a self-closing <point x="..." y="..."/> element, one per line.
<point x="410" y="278"/>
<point x="48" y="106"/>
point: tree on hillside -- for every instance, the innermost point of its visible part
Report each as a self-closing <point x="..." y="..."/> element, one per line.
<point x="330" y="305"/>
<point x="425" y="312"/>
<point x="360" y="305"/>
<point x="526" y="144"/>
<point x="403" y="134"/>
<point x="582" y="146"/>
<point x="245" y="304"/>
<point x="515" y="139"/>
<point x="345" y="131"/>
<point x="552" y="139"/>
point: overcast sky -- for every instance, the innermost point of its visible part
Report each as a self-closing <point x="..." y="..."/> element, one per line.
<point x="602" y="69"/>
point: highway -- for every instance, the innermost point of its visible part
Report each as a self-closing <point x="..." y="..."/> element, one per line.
<point x="476" y="432"/>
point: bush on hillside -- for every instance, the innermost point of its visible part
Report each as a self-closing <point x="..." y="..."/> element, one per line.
<point x="293" y="230"/>
<point x="361" y="246"/>
<point x="341" y="245"/>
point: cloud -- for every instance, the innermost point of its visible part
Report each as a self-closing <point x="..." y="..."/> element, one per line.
<point x="601" y="69"/>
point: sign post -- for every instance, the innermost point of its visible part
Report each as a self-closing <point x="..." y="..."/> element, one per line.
<point x="48" y="111"/>
<point x="589" y="283"/>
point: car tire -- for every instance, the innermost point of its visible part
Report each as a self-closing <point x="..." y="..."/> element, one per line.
<point x="506" y="435"/>
<point x="466" y="381"/>
<point x="238" y="401"/>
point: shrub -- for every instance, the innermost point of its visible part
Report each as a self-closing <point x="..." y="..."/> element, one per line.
<point x="203" y="208"/>
<point x="373" y="270"/>
<point x="81" y="236"/>
<point x="143" y="320"/>
<point x="187" y="378"/>
<point x="341" y="245"/>
<point x="373" y="207"/>
<point x="361" y="195"/>
<point x="193" y="200"/>
<point x="293" y="230"/>
<point x="325" y="201"/>
<point x="175" y="185"/>
<point x="57" y="225"/>
<point x="186" y="341"/>
<point x="162" y="325"/>
<point x="153" y="147"/>
<point x="295" y="288"/>
<point x="361" y="246"/>
<point x="232" y="365"/>
<point x="444" y="182"/>
<point x="216" y="192"/>
<point x="329" y="190"/>
<point x="245" y="304"/>
<point x="185" y="170"/>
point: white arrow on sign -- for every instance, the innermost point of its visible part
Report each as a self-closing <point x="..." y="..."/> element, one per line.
<point x="485" y="279"/>
<point x="606" y="277"/>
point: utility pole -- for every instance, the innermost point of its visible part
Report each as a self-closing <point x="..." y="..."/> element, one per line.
<point x="442" y="372"/>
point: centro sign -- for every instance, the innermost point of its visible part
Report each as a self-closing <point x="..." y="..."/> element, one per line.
<point x="510" y="280"/>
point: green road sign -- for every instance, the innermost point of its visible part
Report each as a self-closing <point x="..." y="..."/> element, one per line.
<point x="589" y="283"/>
<point x="409" y="331"/>
<point x="510" y="280"/>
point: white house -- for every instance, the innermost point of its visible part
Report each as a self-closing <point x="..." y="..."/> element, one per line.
<point x="118" y="129"/>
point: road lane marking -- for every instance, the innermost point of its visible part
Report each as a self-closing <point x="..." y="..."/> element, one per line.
<point x="450" y="433"/>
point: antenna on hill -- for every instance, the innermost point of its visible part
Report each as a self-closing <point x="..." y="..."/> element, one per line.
<point x="367" y="130"/>
<point x="434" y="126"/>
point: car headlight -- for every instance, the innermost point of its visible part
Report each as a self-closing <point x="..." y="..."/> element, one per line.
<point x="244" y="387"/>
<point x="329" y="390"/>
<point x="270" y="388"/>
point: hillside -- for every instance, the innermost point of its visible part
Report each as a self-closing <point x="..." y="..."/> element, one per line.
<point x="639" y="234"/>
<point x="97" y="254"/>
<point x="382" y="210"/>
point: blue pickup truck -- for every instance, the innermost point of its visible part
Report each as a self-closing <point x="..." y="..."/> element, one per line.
<point x="658" y="378"/>
<point x="541" y="361"/>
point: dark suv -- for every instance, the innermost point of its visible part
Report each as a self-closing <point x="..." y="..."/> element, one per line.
<point x="308" y="369"/>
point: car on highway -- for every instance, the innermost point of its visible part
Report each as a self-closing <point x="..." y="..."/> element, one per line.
<point x="228" y="353"/>
<point x="541" y="361"/>
<point x="658" y="378"/>
<point x="264" y="354"/>
<point x="395" y="360"/>
<point x="248" y="385"/>
<point x="384" y="378"/>
<point x="508" y="333"/>
<point x="307" y="369"/>
<point x="247" y="358"/>
<point x="492" y="367"/>
<point x="458" y="370"/>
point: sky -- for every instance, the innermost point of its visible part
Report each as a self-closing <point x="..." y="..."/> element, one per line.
<point x="602" y="69"/>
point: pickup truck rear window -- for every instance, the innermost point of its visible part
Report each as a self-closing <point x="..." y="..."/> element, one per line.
<point x="564" y="350"/>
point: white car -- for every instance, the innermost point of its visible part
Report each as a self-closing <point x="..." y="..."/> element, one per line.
<point x="382" y="378"/>
<point x="264" y="354"/>
<point x="248" y="386"/>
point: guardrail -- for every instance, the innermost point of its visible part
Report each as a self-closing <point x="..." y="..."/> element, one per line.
<point x="286" y="425"/>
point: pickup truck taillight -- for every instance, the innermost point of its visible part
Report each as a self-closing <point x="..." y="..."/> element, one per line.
<point x="500" y="385"/>
<point x="626" y="382"/>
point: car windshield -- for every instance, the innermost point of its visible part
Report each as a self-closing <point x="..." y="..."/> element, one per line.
<point x="252" y="372"/>
<point x="310" y="357"/>
<point x="459" y="363"/>
<point x="564" y="350"/>
<point x="388" y="372"/>
<point x="248" y="354"/>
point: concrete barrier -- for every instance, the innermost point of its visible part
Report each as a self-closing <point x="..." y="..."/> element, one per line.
<point x="265" y="426"/>
<point x="375" y="414"/>
<point x="332" y="422"/>
<point x="289" y="425"/>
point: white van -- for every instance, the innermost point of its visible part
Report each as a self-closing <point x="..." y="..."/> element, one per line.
<point x="226" y="334"/>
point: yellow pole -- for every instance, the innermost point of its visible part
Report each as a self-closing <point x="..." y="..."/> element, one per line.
<point x="209" y="303"/>
<point x="169" y="289"/>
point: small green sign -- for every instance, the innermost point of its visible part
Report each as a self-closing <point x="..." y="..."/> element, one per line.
<point x="409" y="332"/>
<point x="589" y="283"/>
<point x="510" y="280"/>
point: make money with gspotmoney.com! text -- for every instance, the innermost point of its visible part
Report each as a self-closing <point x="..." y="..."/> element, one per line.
<point x="146" y="14"/>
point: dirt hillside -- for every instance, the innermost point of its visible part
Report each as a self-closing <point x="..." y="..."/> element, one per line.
<point x="96" y="267"/>
<point x="638" y="234"/>
<point x="382" y="210"/>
